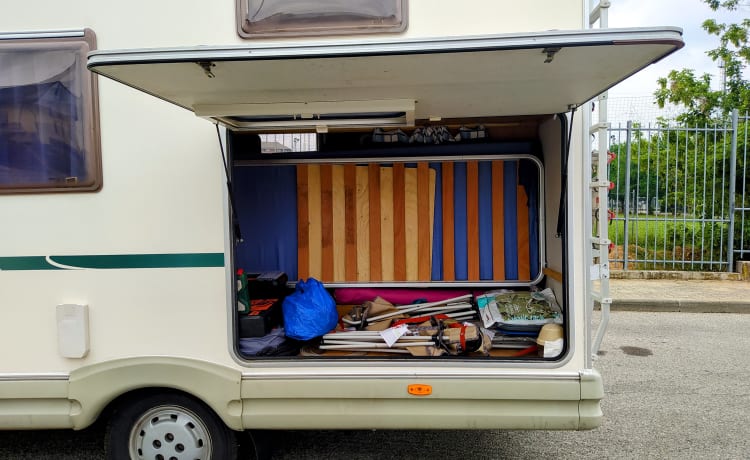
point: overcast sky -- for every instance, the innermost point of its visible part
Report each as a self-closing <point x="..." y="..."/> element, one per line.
<point x="687" y="14"/>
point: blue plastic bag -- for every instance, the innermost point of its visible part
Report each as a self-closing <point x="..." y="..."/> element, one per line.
<point x="310" y="311"/>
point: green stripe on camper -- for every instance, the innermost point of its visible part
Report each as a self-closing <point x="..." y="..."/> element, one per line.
<point x="26" y="263"/>
<point x="113" y="261"/>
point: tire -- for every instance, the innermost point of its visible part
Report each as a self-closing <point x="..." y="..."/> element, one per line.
<point x="166" y="426"/>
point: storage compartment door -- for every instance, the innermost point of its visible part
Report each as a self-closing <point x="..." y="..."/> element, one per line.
<point x="370" y="83"/>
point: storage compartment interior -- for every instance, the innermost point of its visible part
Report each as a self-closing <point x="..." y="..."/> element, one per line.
<point x="407" y="237"/>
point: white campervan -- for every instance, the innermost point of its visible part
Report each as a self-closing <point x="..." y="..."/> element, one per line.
<point x="423" y="159"/>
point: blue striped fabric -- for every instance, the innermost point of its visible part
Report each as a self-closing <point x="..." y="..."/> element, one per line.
<point x="266" y="197"/>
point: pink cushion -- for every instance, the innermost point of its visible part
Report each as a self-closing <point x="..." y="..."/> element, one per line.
<point x="396" y="296"/>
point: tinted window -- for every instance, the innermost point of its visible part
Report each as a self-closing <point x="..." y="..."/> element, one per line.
<point x="48" y="124"/>
<point x="319" y="17"/>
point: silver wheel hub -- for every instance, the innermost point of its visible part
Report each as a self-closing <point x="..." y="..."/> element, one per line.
<point x="170" y="433"/>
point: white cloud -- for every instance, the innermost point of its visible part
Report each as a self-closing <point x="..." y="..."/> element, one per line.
<point x="686" y="14"/>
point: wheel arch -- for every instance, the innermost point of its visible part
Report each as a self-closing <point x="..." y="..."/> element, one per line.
<point x="94" y="388"/>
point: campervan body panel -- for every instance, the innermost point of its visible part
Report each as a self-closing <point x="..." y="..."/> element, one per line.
<point x="150" y="255"/>
<point x="192" y="23"/>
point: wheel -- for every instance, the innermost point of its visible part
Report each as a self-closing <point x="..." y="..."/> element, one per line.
<point x="168" y="427"/>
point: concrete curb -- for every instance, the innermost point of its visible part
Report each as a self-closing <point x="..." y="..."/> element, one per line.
<point x="685" y="306"/>
<point x="680" y="291"/>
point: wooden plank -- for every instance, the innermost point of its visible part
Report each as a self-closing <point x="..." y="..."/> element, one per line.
<point x="303" y="224"/>
<point x="399" y="222"/>
<point x="472" y="219"/>
<point x="349" y="228"/>
<point x="554" y="274"/>
<point x="424" y="242"/>
<point x="498" y="222"/>
<point x="524" y="264"/>
<point x="386" y="223"/>
<point x="433" y="179"/>
<point x="314" y="211"/>
<point x="373" y="183"/>
<point x="339" y="224"/>
<point x="449" y="264"/>
<point x="411" y="224"/>
<point x="350" y="231"/>
<point x="326" y="222"/>
<point x="363" y="225"/>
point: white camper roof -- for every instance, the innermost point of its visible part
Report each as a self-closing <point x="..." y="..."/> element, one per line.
<point x="382" y="83"/>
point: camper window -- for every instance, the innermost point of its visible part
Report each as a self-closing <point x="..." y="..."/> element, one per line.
<point x="48" y="116"/>
<point x="259" y="18"/>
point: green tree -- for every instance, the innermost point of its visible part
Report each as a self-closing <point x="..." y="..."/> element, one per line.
<point x="701" y="103"/>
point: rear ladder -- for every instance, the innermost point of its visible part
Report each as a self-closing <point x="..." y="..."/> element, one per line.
<point x="598" y="282"/>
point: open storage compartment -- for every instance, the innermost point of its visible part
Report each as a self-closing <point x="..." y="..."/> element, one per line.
<point x="390" y="226"/>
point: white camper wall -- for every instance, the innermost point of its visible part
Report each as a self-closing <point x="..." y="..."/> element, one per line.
<point x="148" y="24"/>
<point x="163" y="188"/>
<point x="162" y="194"/>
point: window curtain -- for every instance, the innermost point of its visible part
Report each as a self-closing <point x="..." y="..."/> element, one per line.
<point x="41" y="118"/>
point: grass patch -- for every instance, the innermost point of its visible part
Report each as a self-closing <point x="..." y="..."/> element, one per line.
<point x="672" y="243"/>
<point x="661" y="233"/>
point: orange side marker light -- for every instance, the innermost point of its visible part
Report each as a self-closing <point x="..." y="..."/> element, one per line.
<point x="420" y="389"/>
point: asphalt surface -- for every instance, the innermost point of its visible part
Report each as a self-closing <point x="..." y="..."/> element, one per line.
<point x="677" y="386"/>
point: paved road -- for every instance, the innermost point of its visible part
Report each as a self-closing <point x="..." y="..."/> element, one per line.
<point x="678" y="386"/>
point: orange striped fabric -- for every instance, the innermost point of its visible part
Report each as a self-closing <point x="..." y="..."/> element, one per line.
<point x="375" y="223"/>
<point x="365" y="223"/>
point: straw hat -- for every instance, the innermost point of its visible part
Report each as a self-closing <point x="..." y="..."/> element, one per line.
<point x="549" y="333"/>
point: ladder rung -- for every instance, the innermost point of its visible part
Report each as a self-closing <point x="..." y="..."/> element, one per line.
<point x="598" y="127"/>
<point x="598" y="297"/>
<point x="596" y="12"/>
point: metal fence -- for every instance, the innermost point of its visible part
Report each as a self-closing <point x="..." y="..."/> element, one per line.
<point x="679" y="196"/>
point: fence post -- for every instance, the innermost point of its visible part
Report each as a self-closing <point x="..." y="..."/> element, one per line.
<point x="732" y="188"/>
<point x="626" y="208"/>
